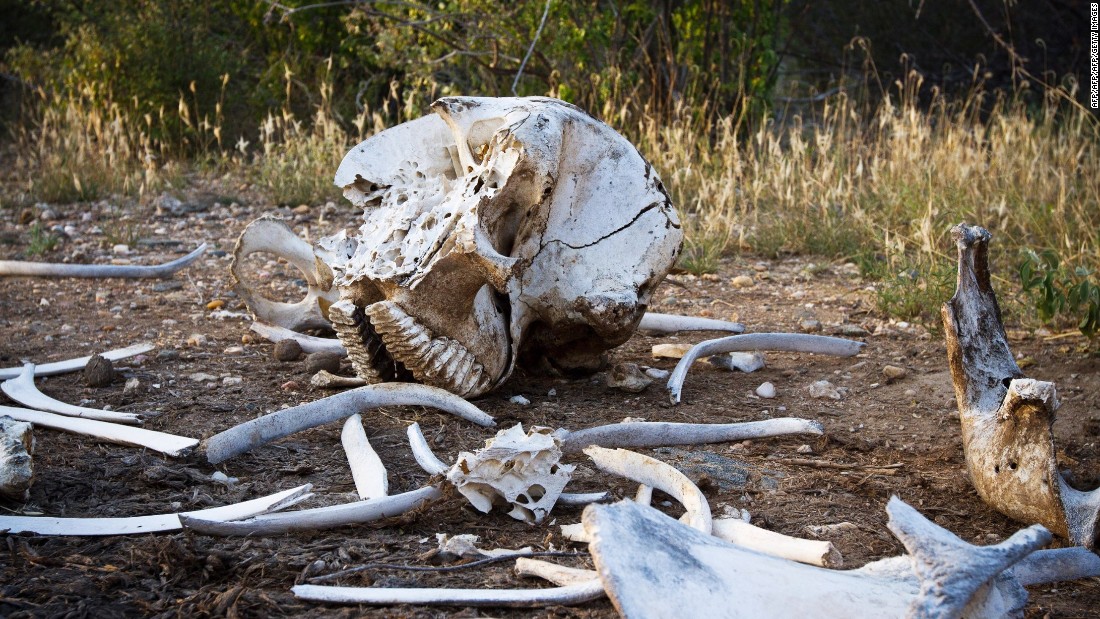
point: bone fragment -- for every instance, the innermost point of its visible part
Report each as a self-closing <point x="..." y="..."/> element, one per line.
<point x="570" y="498"/>
<point x="791" y="342"/>
<point x="263" y="430"/>
<point x="670" y="323"/>
<point x="1045" y="566"/>
<point x="514" y="469"/>
<point x="22" y="390"/>
<point x="663" y="434"/>
<point x="324" y="379"/>
<point x="371" y="480"/>
<point x="515" y="598"/>
<point x="75" y="365"/>
<point x="558" y="574"/>
<point x="1006" y="419"/>
<point x="12" y="268"/>
<point x="317" y="518"/>
<point x="423" y="453"/>
<point x="46" y="525"/>
<point x="16" y="458"/>
<point x="269" y="234"/>
<point x="168" y="444"/>
<point x="309" y="343"/>
<point x="746" y="362"/>
<point x="811" y="552"/>
<point x="653" y="566"/>
<point x="656" y="474"/>
<point x="644" y="495"/>
<point x="575" y="533"/>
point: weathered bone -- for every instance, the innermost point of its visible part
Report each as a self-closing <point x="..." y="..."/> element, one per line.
<point x="371" y="480"/>
<point x="514" y="598"/>
<point x="656" y="474"/>
<point x="324" y="379"/>
<point x="520" y="470"/>
<point x="16" y="458"/>
<point x="75" y="365"/>
<point x="317" y="518"/>
<point x="12" y="268"/>
<point x="671" y="323"/>
<point x="558" y="574"/>
<point x="271" y="235"/>
<point x="1006" y="418"/>
<point x="263" y="430"/>
<point x="745" y="535"/>
<point x="47" y="525"/>
<point x="664" y="434"/>
<point x="653" y="566"/>
<point x="309" y="343"/>
<point x="22" y="390"/>
<point x="496" y="231"/>
<point x="789" y="342"/>
<point x="168" y="444"/>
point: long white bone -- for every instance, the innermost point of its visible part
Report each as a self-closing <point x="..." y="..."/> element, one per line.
<point x="263" y="430"/>
<point x="74" y="365"/>
<point x="663" y="434"/>
<point x="653" y="566"/>
<point x="168" y="444"/>
<point x="22" y="390"/>
<point x="46" y="525"/>
<point x="656" y="474"/>
<point x="671" y="323"/>
<point x="810" y="552"/>
<point x="558" y="574"/>
<point x="371" y="480"/>
<point x="271" y="235"/>
<point x="515" y="598"/>
<point x="316" y="518"/>
<point x="13" y="268"/>
<point x="789" y="342"/>
<point x="309" y="343"/>
<point x="1006" y="419"/>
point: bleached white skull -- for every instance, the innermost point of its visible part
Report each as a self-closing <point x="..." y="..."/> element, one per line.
<point x="496" y="231"/>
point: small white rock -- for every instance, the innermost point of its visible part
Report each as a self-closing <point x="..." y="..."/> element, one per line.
<point x="230" y="381"/>
<point x="805" y="449"/>
<point x="657" y="373"/>
<point x="824" y="389"/>
<point x="766" y="390"/>
<point x="743" y="361"/>
<point x="121" y="249"/>
<point x="520" y="400"/>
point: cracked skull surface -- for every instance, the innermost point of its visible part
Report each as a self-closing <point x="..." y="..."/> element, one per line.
<point x="496" y="232"/>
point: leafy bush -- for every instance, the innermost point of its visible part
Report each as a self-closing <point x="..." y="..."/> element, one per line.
<point x="1059" y="291"/>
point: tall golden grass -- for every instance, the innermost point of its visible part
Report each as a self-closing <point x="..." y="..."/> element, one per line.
<point x="880" y="186"/>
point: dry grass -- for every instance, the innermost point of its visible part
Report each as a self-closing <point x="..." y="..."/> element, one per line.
<point x="881" y="186"/>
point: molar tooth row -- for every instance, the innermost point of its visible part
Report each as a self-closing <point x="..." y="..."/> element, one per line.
<point x="352" y="328"/>
<point x="437" y="361"/>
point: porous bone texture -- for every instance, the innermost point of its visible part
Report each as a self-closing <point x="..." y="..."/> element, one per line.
<point x="16" y="465"/>
<point x="495" y="230"/>
<point x="516" y="469"/>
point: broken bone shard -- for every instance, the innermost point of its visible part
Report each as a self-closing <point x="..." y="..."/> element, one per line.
<point x="790" y="342"/>
<point x="654" y="566"/>
<point x="514" y="468"/>
<point x="168" y="444"/>
<point x="324" y="379"/>
<point x="271" y="235"/>
<point x="810" y="552"/>
<point x="16" y="458"/>
<point x="1006" y="419"/>
<point x="496" y="232"/>
<point x="13" y="268"/>
<point x="367" y="470"/>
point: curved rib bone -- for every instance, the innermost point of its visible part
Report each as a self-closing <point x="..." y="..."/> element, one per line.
<point x="656" y="474"/>
<point x="664" y="434"/>
<point x="309" y="343"/>
<point x="316" y="518"/>
<point x="670" y="323"/>
<point x="22" y="390"/>
<point x="653" y="566"/>
<point x="423" y="454"/>
<point x="271" y="235"/>
<point x="371" y="480"/>
<point x="45" y="525"/>
<point x="790" y="342"/>
<point x="514" y="598"/>
<point x="1006" y="419"/>
<point x="168" y="444"/>
<point x="262" y="430"/>
<point x="74" y="365"/>
<point x="13" y="268"/>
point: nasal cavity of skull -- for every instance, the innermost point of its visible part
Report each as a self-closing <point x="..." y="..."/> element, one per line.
<point x="272" y="277"/>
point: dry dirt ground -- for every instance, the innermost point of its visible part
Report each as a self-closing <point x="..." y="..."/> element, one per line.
<point x="890" y="437"/>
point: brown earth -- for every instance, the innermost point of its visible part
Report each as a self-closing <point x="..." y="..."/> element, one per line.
<point x="896" y="437"/>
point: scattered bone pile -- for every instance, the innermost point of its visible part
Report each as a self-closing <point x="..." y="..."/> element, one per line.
<point x="473" y="214"/>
